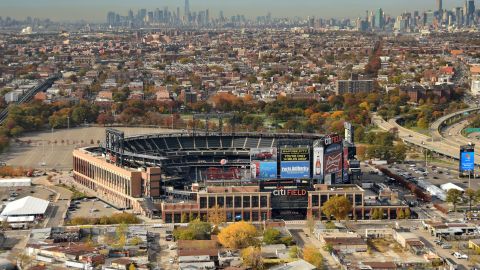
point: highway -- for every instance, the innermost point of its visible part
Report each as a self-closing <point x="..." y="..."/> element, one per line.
<point x="443" y="147"/>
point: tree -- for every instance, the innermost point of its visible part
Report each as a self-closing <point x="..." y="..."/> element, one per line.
<point x="453" y="197"/>
<point x="310" y="224"/>
<point x="337" y="206"/>
<point x="183" y="218"/>
<point x="216" y="215"/>
<point x="135" y="241"/>
<point x="312" y="255"/>
<point x="377" y="213"/>
<point x="293" y="252"/>
<point x="24" y="260"/>
<point x="330" y="225"/>
<point x="5" y="225"/>
<point x="399" y="152"/>
<point x="121" y="236"/>
<point x="238" y="235"/>
<point x="271" y="236"/>
<point x="471" y="196"/>
<point x="195" y="230"/>
<point x="252" y="258"/>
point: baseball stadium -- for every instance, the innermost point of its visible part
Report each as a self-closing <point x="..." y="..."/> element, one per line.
<point x="250" y="176"/>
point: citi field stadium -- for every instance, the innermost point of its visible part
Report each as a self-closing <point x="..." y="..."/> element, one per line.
<point x="251" y="176"/>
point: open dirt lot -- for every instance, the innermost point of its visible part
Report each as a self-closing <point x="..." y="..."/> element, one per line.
<point x="53" y="150"/>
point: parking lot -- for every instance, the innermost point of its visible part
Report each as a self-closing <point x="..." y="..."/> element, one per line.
<point x="90" y="208"/>
<point x="14" y="193"/>
<point x="53" y="149"/>
<point x="435" y="174"/>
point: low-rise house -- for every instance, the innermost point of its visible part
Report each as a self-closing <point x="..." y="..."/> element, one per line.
<point x="189" y="248"/>
<point x="409" y="241"/>
<point x="296" y="265"/>
<point x="346" y="242"/>
<point x="279" y="251"/>
<point x="438" y="229"/>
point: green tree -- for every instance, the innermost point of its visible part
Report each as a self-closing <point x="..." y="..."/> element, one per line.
<point x="271" y="236"/>
<point x="422" y="123"/>
<point x="453" y="197"/>
<point x="293" y="252"/>
<point x="471" y="196"/>
<point x="330" y="225"/>
<point x="377" y="213"/>
<point x="183" y="218"/>
<point x="337" y="206"/>
<point x="195" y="230"/>
<point x="399" y="152"/>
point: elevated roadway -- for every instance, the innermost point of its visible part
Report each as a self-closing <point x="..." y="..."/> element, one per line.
<point x="442" y="148"/>
<point x="28" y="96"/>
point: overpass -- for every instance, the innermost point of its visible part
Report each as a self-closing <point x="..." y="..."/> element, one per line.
<point x="443" y="148"/>
<point x="28" y="96"/>
<point x="449" y="119"/>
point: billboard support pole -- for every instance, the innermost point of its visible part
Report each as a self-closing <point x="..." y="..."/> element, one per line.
<point x="469" y="175"/>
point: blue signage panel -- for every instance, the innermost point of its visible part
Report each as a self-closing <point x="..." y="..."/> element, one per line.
<point x="467" y="161"/>
<point x="295" y="169"/>
<point x="268" y="170"/>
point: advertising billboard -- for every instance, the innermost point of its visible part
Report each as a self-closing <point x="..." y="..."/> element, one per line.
<point x="467" y="161"/>
<point x="295" y="162"/>
<point x="318" y="162"/>
<point x="333" y="163"/>
<point x="349" y="131"/>
<point x="263" y="163"/>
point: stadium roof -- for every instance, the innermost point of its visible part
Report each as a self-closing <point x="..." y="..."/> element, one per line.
<point x="26" y="206"/>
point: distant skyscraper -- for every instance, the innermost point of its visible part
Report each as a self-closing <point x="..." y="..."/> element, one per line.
<point x="470" y="11"/>
<point x="130" y="15"/>
<point x="379" y="19"/>
<point x="187" y="9"/>
<point x="111" y="17"/>
<point x="429" y="16"/>
<point x="439" y="6"/>
<point x="459" y="16"/>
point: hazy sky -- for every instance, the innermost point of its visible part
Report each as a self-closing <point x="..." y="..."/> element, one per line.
<point x="97" y="9"/>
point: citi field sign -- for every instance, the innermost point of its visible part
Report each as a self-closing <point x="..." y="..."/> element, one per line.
<point x="289" y="192"/>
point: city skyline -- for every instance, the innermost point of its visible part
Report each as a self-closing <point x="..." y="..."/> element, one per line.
<point x="93" y="11"/>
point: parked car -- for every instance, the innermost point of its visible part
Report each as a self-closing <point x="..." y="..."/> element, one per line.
<point x="446" y="246"/>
